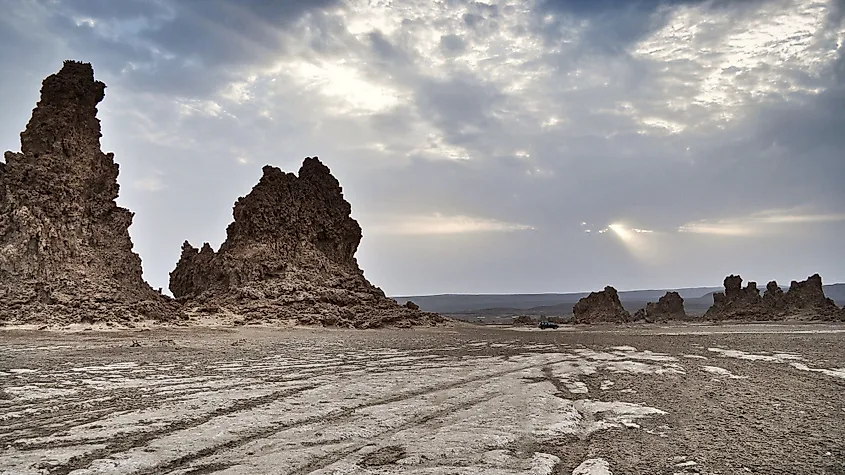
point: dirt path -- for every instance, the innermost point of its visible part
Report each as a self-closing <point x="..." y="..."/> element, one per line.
<point x="767" y="399"/>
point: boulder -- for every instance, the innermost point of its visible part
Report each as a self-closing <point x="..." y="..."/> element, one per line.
<point x="289" y="255"/>
<point x="65" y="251"/>
<point x="602" y="306"/>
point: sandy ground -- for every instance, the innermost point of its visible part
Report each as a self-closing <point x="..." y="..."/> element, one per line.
<point x="761" y="399"/>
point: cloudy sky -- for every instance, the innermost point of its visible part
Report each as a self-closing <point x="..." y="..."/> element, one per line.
<point x="498" y="146"/>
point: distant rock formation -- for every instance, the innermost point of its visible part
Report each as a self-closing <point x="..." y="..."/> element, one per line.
<point x="289" y="255"/>
<point x="804" y="300"/>
<point x="736" y="302"/>
<point x="65" y="251"/>
<point x="669" y="307"/>
<point x="602" y="306"/>
<point x="524" y="320"/>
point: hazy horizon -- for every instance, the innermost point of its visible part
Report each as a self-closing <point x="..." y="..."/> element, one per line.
<point x="760" y="285"/>
<point x="507" y="147"/>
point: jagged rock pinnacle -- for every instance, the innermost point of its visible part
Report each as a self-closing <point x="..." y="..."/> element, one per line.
<point x="289" y="254"/>
<point x="67" y="255"/>
<point x="602" y="306"/>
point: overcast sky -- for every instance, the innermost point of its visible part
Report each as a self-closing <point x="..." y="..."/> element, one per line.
<point x="491" y="147"/>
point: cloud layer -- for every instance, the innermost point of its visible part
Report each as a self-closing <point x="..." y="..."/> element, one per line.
<point x="473" y="139"/>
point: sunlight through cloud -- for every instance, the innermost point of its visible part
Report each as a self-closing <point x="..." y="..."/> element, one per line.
<point x="442" y="224"/>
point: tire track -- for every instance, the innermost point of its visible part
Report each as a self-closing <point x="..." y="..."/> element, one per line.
<point x="128" y="442"/>
<point x="338" y="415"/>
<point x="327" y="460"/>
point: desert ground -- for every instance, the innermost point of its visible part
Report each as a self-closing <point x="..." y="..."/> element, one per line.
<point x="759" y="399"/>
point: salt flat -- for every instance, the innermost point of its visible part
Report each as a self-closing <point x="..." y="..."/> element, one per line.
<point x="464" y="400"/>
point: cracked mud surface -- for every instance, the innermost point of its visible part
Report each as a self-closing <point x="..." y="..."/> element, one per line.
<point x="764" y="399"/>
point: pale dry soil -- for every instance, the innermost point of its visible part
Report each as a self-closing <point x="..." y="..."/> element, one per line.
<point x="760" y="399"/>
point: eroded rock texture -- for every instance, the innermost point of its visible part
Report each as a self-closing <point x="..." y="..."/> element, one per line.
<point x="804" y="300"/>
<point x="669" y="307"/>
<point x="602" y="306"/>
<point x="289" y="255"/>
<point x="524" y="320"/>
<point x="65" y="251"/>
<point x="736" y="302"/>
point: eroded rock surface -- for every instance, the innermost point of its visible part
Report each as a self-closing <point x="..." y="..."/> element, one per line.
<point x="289" y="255"/>
<point x="524" y="320"/>
<point x="602" y="306"/>
<point x="804" y="300"/>
<point x="737" y="302"/>
<point x="669" y="307"/>
<point x="65" y="251"/>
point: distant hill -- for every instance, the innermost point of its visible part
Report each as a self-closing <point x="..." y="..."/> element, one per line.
<point x="836" y="292"/>
<point x="504" y="306"/>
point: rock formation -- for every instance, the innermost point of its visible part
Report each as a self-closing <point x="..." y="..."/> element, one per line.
<point x="65" y="251"/>
<point x="602" y="306"/>
<point x="736" y="302"/>
<point x="804" y="300"/>
<point x="289" y="255"/>
<point x="669" y="307"/>
<point x="524" y="320"/>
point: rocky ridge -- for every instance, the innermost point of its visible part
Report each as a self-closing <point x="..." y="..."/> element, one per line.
<point x="65" y="251"/>
<point x="804" y="300"/>
<point x="600" y="307"/>
<point x="667" y="308"/>
<point x="289" y="255"/>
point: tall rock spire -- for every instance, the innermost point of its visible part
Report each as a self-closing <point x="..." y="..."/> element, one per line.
<point x="289" y="255"/>
<point x="66" y="252"/>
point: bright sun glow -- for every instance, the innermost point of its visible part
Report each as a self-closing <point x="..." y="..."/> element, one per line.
<point x="635" y="240"/>
<point x="620" y="231"/>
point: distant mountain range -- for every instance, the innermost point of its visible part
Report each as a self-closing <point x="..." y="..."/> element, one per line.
<point x="492" y="307"/>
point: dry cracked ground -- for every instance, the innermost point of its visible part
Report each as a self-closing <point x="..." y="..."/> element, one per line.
<point x="762" y="399"/>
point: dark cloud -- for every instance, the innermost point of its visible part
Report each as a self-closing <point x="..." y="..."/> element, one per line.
<point x="612" y="26"/>
<point x="452" y="44"/>
<point x="561" y="118"/>
<point x="457" y="103"/>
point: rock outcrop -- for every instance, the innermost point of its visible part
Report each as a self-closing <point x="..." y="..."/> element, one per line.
<point x="289" y="255"/>
<point x="669" y="307"/>
<point x="524" y="320"/>
<point x="599" y="307"/>
<point x="65" y="251"/>
<point x="804" y="300"/>
<point x="736" y="302"/>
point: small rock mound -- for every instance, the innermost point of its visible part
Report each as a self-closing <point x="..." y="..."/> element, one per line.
<point x="669" y="307"/>
<point x="289" y="255"/>
<point x="804" y="300"/>
<point x="66" y="252"/>
<point x="524" y="320"/>
<point x="602" y="306"/>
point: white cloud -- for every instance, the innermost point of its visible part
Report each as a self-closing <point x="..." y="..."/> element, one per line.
<point x="763" y="222"/>
<point x="201" y="107"/>
<point x="151" y="184"/>
<point x="441" y="224"/>
<point x="722" y="61"/>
